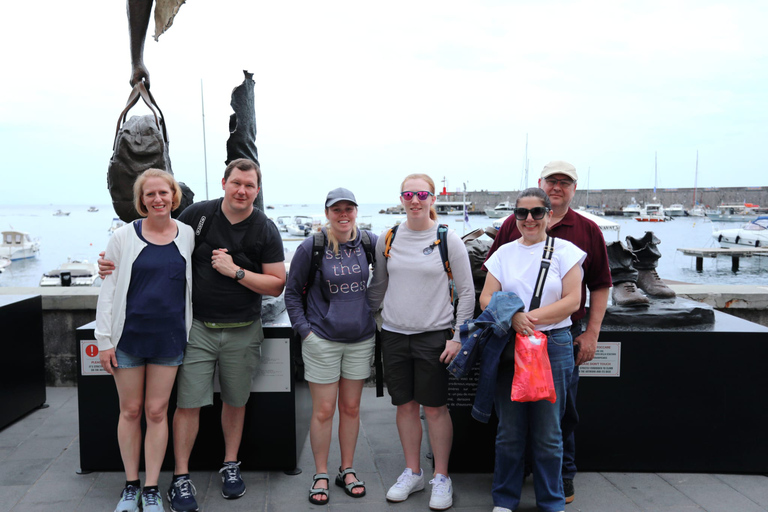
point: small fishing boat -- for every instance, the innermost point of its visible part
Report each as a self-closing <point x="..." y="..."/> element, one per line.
<point x="744" y="212"/>
<point x="752" y="234"/>
<point x="675" y="210"/>
<point x="18" y="245"/>
<point x="282" y="222"/>
<point x="72" y="273"/>
<point x="116" y="224"/>
<point x="60" y="213"/>
<point x="93" y="209"/>
<point x="300" y="226"/>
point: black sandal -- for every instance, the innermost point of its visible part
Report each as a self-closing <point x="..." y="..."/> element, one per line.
<point x="314" y="491"/>
<point x="340" y="481"/>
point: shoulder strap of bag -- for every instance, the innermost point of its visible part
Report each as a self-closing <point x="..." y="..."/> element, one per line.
<point x="318" y="248"/>
<point x="546" y="258"/>
<point x="204" y="223"/>
<point x="140" y="91"/>
<point x="370" y="255"/>
<point x="389" y="237"/>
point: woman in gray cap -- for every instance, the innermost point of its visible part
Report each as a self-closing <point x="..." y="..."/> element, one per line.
<point x="326" y="300"/>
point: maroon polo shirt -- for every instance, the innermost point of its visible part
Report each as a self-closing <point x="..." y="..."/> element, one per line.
<point x="581" y="232"/>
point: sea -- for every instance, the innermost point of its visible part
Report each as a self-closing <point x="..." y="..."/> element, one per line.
<point x="81" y="235"/>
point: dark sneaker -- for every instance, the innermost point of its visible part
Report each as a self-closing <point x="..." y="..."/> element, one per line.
<point x="129" y="500"/>
<point x="151" y="501"/>
<point x="232" y="485"/>
<point x="181" y="495"/>
<point x="568" y="490"/>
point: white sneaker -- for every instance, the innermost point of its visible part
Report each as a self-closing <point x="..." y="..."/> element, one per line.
<point x="406" y="484"/>
<point x="501" y="509"/>
<point x="442" y="493"/>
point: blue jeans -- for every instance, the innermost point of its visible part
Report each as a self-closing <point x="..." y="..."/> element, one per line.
<point x="542" y="420"/>
<point x="571" y="417"/>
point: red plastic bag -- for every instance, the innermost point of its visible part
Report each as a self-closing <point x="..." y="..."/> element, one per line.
<point x="533" y="374"/>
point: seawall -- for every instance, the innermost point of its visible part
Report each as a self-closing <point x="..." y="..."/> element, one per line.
<point x="66" y="309"/>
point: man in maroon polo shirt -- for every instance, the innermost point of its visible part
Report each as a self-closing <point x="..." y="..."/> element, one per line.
<point x="558" y="180"/>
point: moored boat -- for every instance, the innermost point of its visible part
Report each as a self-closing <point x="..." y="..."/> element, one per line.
<point x="752" y="234"/>
<point x="4" y="263"/>
<point x="60" y="213"/>
<point x="502" y="209"/>
<point x="675" y="210"/>
<point x="744" y="212"/>
<point x="633" y="209"/>
<point x="92" y="209"/>
<point x="72" y="273"/>
<point x="117" y="223"/>
<point x="18" y="245"/>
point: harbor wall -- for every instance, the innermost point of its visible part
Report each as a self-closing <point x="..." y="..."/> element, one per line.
<point x="615" y="199"/>
<point x="66" y="309"/>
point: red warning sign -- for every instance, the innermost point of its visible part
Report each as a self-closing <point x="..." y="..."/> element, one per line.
<point x="89" y="359"/>
<point x="91" y="350"/>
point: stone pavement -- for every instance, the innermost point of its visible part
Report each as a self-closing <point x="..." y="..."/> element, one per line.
<point x="39" y="457"/>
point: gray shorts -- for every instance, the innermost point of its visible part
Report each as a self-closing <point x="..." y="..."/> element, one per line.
<point x="236" y="351"/>
<point x="412" y="367"/>
<point x="325" y="361"/>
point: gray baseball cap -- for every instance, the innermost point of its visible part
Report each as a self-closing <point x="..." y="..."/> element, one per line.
<point x="339" y="194"/>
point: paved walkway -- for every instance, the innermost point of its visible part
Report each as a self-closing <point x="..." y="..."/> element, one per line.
<point x="39" y="457"/>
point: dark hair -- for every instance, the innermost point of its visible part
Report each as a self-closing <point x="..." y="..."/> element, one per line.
<point x="243" y="164"/>
<point x="535" y="192"/>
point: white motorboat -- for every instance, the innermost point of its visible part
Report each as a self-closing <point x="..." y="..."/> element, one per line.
<point x="502" y="209"/>
<point x="282" y="222"/>
<point x="675" y="210"/>
<point x="633" y="209"/>
<point x="452" y="207"/>
<point x="653" y="212"/>
<point x="4" y="263"/>
<point x="72" y="273"/>
<point x="116" y="224"/>
<point x="303" y="225"/>
<point x="60" y="213"/>
<point x="93" y="209"/>
<point x="744" y="212"/>
<point x="697" y="211"/>
<point x="365" y="222"/>
<point x="18" y="245"/>
<point x="752" y="234"/>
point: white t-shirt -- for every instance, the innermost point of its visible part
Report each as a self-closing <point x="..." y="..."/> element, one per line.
<point x="516" y="267"/>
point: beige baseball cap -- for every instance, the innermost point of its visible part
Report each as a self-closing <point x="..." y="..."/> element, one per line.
<point x="559" y="167"/>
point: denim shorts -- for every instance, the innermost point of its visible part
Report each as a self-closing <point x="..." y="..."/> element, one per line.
<point x="126" y="360"/>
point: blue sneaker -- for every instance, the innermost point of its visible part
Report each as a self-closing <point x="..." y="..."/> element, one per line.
<point x="129" y="500"/>
<point x="181" y="495"/>
<point x="232" y="485"/>
<point x="151" y="501"/>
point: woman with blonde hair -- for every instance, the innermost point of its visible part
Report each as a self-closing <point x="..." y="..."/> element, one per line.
<point x="329" y="310"/>
<point x="420" y="333"/>
<point x="143" y="317"/>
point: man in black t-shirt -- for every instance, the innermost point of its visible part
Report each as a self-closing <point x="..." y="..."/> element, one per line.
<point x="238" y="257"/>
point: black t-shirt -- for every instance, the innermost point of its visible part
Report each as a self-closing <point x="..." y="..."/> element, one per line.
<point x="252" y="242"/>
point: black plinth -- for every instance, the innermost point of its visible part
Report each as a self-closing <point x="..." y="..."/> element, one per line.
<point x="22" y="366"/>
<point x="276" y="421"/>
<point x="689" y="399"/>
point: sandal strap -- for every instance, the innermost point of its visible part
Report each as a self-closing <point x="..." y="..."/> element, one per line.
<point x="321" y="476"/>
<point x="356" y="483"/>
<point x="343" y="473"/>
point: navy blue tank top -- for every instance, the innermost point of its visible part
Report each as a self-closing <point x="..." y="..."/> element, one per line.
<point x="154" y="313"/>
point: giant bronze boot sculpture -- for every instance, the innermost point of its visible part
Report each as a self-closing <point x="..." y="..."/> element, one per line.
<point x="647" y="253"/>
<point x="624" y="277"/>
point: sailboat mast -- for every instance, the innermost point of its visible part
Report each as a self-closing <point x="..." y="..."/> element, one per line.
<point x="655" y="172"/>
<point x="696" y="178"/>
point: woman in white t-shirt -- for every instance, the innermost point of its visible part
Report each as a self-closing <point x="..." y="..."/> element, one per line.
<point x="514" y="267"/>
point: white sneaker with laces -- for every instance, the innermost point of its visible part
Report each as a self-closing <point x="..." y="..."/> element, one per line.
<point x="501" y="509"/>
<point x="442" y="493"/>
<point x="406" y="484"/>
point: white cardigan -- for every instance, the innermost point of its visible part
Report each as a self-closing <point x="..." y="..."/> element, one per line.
<point x="123" y="249"/>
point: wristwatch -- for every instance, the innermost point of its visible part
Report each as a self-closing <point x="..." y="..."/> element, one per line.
<point x="239" y="274"/>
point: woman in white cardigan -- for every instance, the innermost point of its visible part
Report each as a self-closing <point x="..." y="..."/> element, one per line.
<point x="143" y="318"/>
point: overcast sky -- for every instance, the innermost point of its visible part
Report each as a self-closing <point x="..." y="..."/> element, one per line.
<point x="359" y="94"/>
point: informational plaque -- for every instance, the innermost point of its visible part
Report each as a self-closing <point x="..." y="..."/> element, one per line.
<point x="89" y="359"/>
<point x="607" y="361"/>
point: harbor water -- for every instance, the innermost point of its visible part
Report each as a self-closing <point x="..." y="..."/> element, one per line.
<point x="83" y="234"/>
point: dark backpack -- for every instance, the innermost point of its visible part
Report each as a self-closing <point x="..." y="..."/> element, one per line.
<point x="318" y="248"/>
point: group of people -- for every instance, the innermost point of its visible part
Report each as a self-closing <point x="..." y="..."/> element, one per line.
<point x="181" y="297"/>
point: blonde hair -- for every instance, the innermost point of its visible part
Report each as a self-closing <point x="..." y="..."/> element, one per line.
<point x="138" y="187"/>
<point x="425" y="177"/>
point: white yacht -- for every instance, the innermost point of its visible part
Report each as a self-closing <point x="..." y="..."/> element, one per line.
<point x="81" y="273"/>
<point x="633" y="209"/>
<point x="744" y="212"/>
<point x="18" y="245"/>
<point x="502" y="209"/>
<point x="752" y="234"/>
<point x="676" y="210"/>
<point x="4" y="263"/>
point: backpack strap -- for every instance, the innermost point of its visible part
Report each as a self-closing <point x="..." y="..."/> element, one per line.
<point x="370" y="255"/>
<point x="205" y="220"/>
<point x="389" y="237"/>
<point x="442" y="244"/>
<point x="318" y="248"/>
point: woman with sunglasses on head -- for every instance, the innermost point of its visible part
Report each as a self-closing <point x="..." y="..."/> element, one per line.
<point x="143" y="318"/>
<point x="418" y="338"/>
<point x="514" y="267"/>
<point x="337" y="330"/>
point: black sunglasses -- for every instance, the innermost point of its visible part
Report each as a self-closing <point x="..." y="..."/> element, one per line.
<point x="537" y="213"/>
